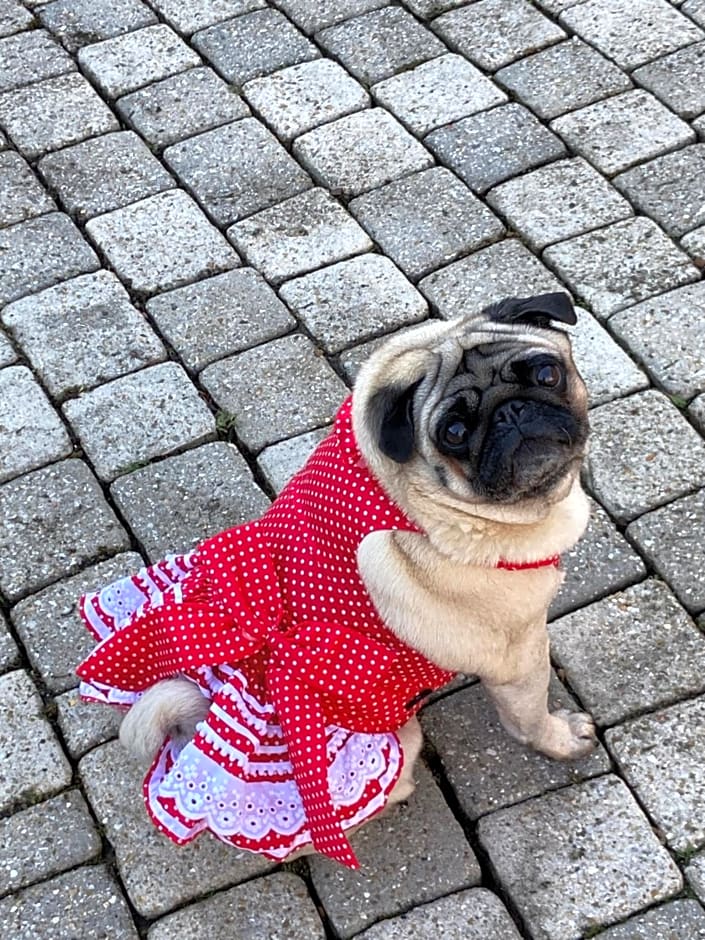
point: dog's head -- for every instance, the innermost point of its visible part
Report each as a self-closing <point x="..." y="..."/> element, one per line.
<point x="489" y="408"/>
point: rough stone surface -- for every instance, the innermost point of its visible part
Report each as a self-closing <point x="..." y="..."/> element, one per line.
<point x="675" y="80"/>
<point x="683" y="918"/>
<point x="79" y="23"/>
<point x="9" y="654"/>
<point x="621" y="264"/>
<point x="161" y="242"/>
<point x="665" y="334"/>
<point x="187" y="17"/>
<point x="487" y="768"/>
<point x="601" y="563"/>
<point x="474" y="915"/>
<point x="128" y="62"/>
<point x="410" y="855"/>
<point x="29" y="57"/>
<point x="81" y="333"/>
<point x="14" y="17"/>
<point x="697" y="412"/>
<point x="617" y="133"/>
<point x="172" y="505"/>
<point x="274" y="907"/>
<point x="236" y="170"/>
<point x="631" y="36"/>
<point x="253" y="45"/>
<point x="669" y="538"/>
<point x="219" y="316"/>
<point x="437" y="92"/>
<point x="312" y="15"/>
<point x="41" y="252"/>
<point x="49" y="625"/>
<point x="7" y="351"/>
<point x="656" y="189"/>
<point x="507" y="269"/>
<point x="303" y="96"/>
<point x="45" y="840"/>
<point x="558" y="201"/>
<point x="21" y="195"/>
<point x="578" y="858"/>
<point x="607" y="370"/>
<point x="31" y="432"/>
<point x="275" y="390"/>
<point x="694" y="244"/>
<point x="32" y="763"/>
<point x="103" y="174"/>
<point x="157" y="874"/>
<point x="53" y="521"/>
<point x="299" y="235"/>
<point x="353" y="300"/>
<point x="493" y="33"/>
<point x="71" y="902"/>
<point x="659" y="755"/>
<point x="76" y="111"/>
<point x="138" y="417"/>
<point x="281" y="461"/>
<point x="483" y="151"/>
<point x="562" y="78"/>
<point x="426" y="220"/>
<point x="381" y="43"/>
<point x="181" y="106"/>
<point x="630" y="652"/>
<point x="695" y="873"/>
<point x="642" y="454"/>
<point x="85" y="725"/>
<point x="360" y="152"/>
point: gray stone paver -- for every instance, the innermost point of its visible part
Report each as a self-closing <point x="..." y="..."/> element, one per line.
<point x="50" y="628"/>
<point x="621" y="264"/>
<point x="562" y="78"/>
<point x="439" y="861"/>
<point x="29" y="850"/>
<point x="161" y="242"/>
<point x="360" y="152"/>
<point x="128" y="62"/>
<point x="236" y="170"/>
<point x="578" y="858"/>
<point x="138" y="417"/>
<point x="482" y="149"/>
<point x="81" y="333"/>
<point x="33" y="764"/>
<point x="181" y="106"/>
<point x="619" y="132"/>
<point x="659" y="755"/>
<point x="29" y="57"/>
<point x="77" y="112"/>
<point x="53" y="521"/>
<point x="31" y="432"/>
<point x="172" y="505"/>
<point x="222" y="243"/>
<point x="252" y="45"/>
<point x="284" y="377"/>
<point x="78" y="23"/>
<point x="426" y="220"/>
<point x="219" y="316"/>
<point x="642" y="455"/>
<point x="633" y="651"/>
<point x="353" y="300"/>
<point x="379" y="44"/>
<point x="493" y="33"/>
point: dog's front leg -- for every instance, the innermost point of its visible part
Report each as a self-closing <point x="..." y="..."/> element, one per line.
<point x="522" y="705"/>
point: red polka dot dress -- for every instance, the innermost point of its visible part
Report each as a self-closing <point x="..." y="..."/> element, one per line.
<point x="306" y="684"/>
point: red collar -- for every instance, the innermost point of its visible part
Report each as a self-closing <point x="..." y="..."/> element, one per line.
<point x="553" y="562"/>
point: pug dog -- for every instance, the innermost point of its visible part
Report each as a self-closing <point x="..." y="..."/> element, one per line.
<point x="474" y="430"/>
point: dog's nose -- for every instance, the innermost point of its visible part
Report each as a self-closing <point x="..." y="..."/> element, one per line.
<point x="510" y="412"/>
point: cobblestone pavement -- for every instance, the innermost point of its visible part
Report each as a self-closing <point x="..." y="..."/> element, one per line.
<point x="209" y="213"/>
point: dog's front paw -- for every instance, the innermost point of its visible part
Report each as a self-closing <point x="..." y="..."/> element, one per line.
<point x="568" y="735"/>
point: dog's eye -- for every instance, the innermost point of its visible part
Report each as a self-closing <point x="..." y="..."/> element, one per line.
<point x="455" y="434"/>
<point x="548" y="375"/>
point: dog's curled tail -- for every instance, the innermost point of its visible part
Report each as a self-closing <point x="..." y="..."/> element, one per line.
<point x="171" y="708"/>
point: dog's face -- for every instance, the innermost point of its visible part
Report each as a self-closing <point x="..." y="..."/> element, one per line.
<point x="489" y="408"/>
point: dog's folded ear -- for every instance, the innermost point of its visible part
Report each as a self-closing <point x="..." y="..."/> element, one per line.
<point x="390" y="416"/>
<point x="539" y="310"/>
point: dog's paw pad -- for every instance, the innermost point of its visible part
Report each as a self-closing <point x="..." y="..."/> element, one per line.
<point x="571" y="735"/>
